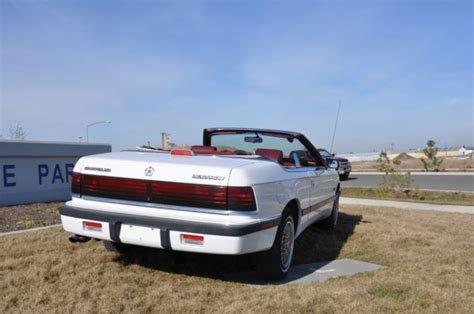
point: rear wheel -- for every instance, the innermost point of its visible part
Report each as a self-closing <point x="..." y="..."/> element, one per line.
<point x="275" y="263"/>
<point x="331" y="222"/>
<point x="116" y="247"/>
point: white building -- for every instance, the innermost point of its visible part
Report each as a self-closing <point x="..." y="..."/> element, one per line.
<point x="465" y="150"/>
<point x="166" y="141"/>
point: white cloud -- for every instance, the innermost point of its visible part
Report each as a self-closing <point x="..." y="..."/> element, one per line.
<point x="458" y="103"/>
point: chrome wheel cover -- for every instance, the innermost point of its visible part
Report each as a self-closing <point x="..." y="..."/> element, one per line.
<point x="287" y="245"/>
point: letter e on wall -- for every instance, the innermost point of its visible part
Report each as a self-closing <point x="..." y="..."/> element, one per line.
<point x="9" y="175"/>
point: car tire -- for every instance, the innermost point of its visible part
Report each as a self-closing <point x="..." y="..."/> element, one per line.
<point x="331" y="222"/>
<point x="116" y="247"/>
<point x="344" y="176"/>
<point x="275" y="263"/>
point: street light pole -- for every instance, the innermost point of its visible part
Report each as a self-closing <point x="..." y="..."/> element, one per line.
<point x="92" y="124"/>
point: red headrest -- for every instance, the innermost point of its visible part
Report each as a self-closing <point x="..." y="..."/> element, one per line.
<point x="199" y="149"/>
<point x="273" y="154"/>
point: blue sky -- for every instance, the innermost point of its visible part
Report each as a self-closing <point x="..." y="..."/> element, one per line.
<point x="402" y="69"/>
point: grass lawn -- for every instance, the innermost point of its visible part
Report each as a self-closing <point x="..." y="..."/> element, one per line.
<point x="433" y="197"/>
<point x="456" y="164"/>
<point x="429" y="259"/>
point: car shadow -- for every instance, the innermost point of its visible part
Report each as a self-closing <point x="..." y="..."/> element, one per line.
<point x="349" y="179"/>
<point x="313" y="247"/>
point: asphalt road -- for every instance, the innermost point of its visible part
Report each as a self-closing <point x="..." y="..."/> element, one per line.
<point x="426" y="181"/>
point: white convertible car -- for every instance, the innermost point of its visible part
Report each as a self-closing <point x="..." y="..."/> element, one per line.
<point x="242" y="191"/>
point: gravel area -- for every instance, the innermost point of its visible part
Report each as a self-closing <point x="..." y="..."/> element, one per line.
<point x="28" y="216"/>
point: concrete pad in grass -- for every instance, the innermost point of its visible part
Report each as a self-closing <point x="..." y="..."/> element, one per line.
<point x="308" y="273"/>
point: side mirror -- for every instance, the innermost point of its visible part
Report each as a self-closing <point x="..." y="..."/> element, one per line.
<point x="333" y="155"/>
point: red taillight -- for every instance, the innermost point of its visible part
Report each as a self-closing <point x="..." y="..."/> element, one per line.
<point x="76" y="183"/>
<point x="192" y="239"/>
<point x="193" y="195"/>
<point x="92" y="226"/>
<point x="182" y="152"/>
<point x="170" y="193"/>
<point x="118" y="188"/>
<point x="241" y="198"/>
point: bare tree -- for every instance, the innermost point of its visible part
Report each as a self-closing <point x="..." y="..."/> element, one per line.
<point x="17" y="132"/>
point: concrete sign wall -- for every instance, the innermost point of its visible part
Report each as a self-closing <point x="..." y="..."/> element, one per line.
<point x="33" y="171"/>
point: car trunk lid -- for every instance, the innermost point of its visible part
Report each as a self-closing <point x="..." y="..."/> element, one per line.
<point x="199" y="169"/>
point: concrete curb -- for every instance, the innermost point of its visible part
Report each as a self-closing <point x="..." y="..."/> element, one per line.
<point x="408" y="205"/>
<point x="411" y="189"/>
<point x="28" y="230"/>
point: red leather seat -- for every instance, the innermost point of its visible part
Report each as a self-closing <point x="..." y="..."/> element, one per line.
<point x="225" y="153"/>
<point x="199" y="149"/>
<point x="273" y="154"/>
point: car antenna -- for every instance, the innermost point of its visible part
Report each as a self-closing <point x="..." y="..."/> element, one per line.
<point x="335" y="126"/>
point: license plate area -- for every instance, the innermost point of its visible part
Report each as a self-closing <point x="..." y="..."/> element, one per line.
<point x="139" y="235"/>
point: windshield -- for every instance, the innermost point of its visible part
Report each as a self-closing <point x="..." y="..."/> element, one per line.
<point x="324" y="153"/>
<point x="248" y="143"/>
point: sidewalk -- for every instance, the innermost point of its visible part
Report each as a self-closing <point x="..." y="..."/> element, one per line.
<point x="408" y="205"/>
<point x="28" y="230"/>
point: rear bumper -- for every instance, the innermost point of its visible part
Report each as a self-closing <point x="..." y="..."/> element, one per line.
<point x="167" y="233"/>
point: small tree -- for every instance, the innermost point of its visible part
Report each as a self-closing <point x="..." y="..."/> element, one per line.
<point x="431" y="163"/>
<point x="17" y="132"/>
<point x="393" y="179"/>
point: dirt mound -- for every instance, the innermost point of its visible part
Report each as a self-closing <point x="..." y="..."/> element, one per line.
<point x="404" y="157"/>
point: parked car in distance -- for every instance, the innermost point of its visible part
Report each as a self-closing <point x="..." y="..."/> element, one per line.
<point x="343" y="166"/>
<point x="241" y="191"/>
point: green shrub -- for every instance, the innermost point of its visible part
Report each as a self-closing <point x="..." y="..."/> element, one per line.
<point x="393" y="178"/>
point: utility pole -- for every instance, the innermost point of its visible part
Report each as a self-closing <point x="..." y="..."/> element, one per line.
<point x="92" y="124"/>
<point x="335" y="125"/>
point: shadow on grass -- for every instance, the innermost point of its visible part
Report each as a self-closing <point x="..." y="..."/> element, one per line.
<point x="313" y="246"/>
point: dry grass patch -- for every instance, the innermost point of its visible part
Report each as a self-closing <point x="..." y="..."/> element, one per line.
<point x="429" y="258"/>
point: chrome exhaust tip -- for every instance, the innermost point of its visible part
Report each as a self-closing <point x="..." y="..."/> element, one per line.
<point x="78" y="239"/>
